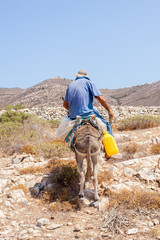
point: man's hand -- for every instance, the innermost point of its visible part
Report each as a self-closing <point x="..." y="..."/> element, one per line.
<point x="65" y="105"/>
<point x="111" y="115"/>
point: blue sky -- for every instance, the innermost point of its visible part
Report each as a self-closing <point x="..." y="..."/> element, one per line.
<point x="116" y="41"/>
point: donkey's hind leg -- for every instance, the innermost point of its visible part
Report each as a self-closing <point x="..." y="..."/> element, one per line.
<point x="95" y="171"/>
<point x="79" y="160"/>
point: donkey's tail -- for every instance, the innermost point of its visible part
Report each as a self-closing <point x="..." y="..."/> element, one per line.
<point x="89" y="164"/>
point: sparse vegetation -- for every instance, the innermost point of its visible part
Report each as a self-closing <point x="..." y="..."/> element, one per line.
<point x="19" y="186"/>
<point x="131" y="148"/>
<point x="13" y="117"/>
<point x="19" y="129"/>
<point x="136" y="199"/>
<point x="138" y="122"/>
<point x="15" y="107"/>
<point x="104" y="176"/>
<point x="54" y="123"/>
<point x="52" y="149"/>
<point x="155" y="149"/>
<point x="65" y="178"/>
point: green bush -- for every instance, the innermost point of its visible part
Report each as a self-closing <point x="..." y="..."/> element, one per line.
<point x="54" y="123"/>
<point x="139" y="122"/>
<point x="15" y="107"/>
<point x="13" y="116"/>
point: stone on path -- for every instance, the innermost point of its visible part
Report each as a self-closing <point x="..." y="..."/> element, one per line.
<point x="2" y="214"/>
<point x="103" y="204"/>
<point x="43" y="221"/>
<point x="17" y="195"/>
<point x="132" y="231"/>
<point x="53" y="226"/>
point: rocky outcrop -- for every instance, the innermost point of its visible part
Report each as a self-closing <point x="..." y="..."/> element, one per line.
<point x="120" y="112"/>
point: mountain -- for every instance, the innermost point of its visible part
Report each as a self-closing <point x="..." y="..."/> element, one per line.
<point x="51" y="91"/>
<point x="145" y="95"/>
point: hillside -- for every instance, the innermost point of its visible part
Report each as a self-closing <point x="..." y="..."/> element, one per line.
<point x="51" y="91"/>
<point x="6" y="94"/>
<point x="39" y="192"/>
<point x="146" y="95"/>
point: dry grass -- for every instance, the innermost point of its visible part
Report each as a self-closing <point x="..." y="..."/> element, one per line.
<point x="139" y="122"/>
<point x="61" y="206"/>
<point x="104" y="176"/>
<point x="19" y="186"/>
<point x="28" y="149"/>
<point x="154" y="232"/>
<point x="155" y="149"/>
<point x="135" y="199"/>
<point x="131" y="148"/>
<point x="46" y="168"/>
<point x="19" y="129"/>
<point x="51" y="149"/>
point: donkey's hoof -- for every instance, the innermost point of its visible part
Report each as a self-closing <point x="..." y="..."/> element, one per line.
<point x="81" y="196"/>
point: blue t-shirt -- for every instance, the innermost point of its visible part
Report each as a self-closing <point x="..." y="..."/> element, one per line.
<point x="79" y="96"/>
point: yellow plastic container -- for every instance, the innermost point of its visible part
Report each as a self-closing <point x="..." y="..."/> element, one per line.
<point x="109" y="144"/>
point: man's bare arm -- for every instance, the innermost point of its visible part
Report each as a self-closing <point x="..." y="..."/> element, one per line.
<point x="65" y="105"/>
<point x="104" y="103"/>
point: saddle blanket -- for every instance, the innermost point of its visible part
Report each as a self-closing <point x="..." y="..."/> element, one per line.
<point x="67" y="124"/>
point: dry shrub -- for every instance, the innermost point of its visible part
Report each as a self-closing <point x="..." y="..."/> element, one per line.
<point x="131" y="148"/>
<point x="31" y="170"/>
<point x="104" y="176"/>
<point x="18" y="129"/>
<point x="19" y="186"/>
<point x="65" y="179"/>
<point x="28" y="149"/>
<point x="51" y="149"/>
<point x="54" y="123"/>
<point x="46" y="168"/>
<point x="116" y="219"/>
<point x="153" y="232"/>
<point x="139" y="122"/>
<point x="61" y="206"/>
<point x="155" y="149"/>
<point x="135" y="199"/>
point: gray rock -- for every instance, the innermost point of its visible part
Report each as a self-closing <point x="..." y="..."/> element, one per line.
<point x="128" y="172"/>
<point x="132" y="231"/>
<point x="17" y="195"/>
<point x="42" y="222"/>
<point x="89" y="194"/>
<point x="16" y="161"/>
<point x="35" y="191"/>
<point x="156" y="221"/>
<point x="2" y="214"/>
<point x="23" y="232"/>
<point x="69" y="224"/>
<point x="53" y="226"/>
<point x="77" y="228"/>
<point x="103" y="204"/>
<point x="150" y="224"/>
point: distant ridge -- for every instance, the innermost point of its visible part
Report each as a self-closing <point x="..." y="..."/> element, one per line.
<point x="50" y="93"/>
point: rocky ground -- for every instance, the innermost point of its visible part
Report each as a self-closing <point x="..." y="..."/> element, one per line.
<point x="23" y="216"/>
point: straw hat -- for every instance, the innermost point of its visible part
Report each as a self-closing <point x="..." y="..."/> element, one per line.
<point x="82" y="73"/>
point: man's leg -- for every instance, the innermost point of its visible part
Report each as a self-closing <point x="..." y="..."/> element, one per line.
<point x="109" y="128"/>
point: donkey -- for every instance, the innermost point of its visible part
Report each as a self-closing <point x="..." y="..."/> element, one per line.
<point x="87" y="144"/>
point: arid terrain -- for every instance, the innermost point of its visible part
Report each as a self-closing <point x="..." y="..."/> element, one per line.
<point x="51" y="91"/>
<point x="128" y="187"/>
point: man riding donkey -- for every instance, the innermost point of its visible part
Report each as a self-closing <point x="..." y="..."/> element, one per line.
<point x="79" y="99"/>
